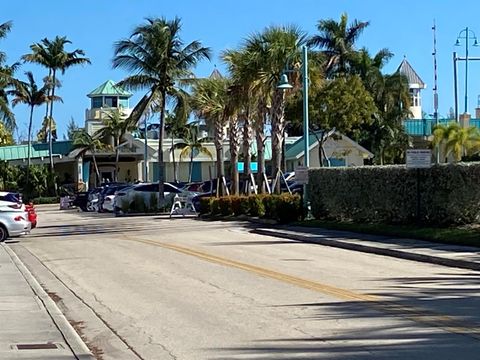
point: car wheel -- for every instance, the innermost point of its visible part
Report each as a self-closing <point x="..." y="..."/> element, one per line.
<point x="3" y="233"/>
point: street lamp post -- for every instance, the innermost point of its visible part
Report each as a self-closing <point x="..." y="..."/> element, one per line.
<point x="466" y="34"/>
<point x="284" y="84"/>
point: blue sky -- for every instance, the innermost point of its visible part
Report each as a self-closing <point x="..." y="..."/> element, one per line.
<point x="404" y="27"/>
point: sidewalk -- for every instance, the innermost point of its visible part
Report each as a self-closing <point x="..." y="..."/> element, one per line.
<point x="32" y="327"/>
<point x="417" y="250"/>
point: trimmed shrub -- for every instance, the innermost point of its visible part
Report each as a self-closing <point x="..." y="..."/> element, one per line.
<point x="215" y="206"/>
<point x="448" y="194"/>
<point x="205" y="205"/>
<point x="225" y="204"/>
<point x="255" y="206"/>
<point x="269" y="204"/>
<point x="239" y="205"/>
<point x="46" y="200"/>
<point x="288" y="208"/>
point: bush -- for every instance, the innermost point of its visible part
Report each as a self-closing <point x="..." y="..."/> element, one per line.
<point x="215" y="206"/>
<point x="288" y="208"/>
<point x="205" y="205"/>
<point x="255" y="206"/>
<point x="225" y="204"/>
<point x="449" y="194"/>
<point x="46" y="200"/>
<point x="137" y="205"/>
<point x="239" y="205"/>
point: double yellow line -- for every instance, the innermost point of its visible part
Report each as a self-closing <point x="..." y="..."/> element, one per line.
<point x="417" y="315"/>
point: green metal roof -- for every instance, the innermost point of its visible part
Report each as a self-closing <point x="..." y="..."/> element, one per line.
<point x="19" y="152"/>
<point x="297" y="148"/>
<point x="109" y="87"/>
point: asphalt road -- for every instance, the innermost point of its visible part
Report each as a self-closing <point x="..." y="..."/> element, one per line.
<point x="151" y="288"/>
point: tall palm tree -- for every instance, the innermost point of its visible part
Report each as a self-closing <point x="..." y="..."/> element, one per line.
<point x="52" y="55"/>
<point x="209" y="101"/>
<point x="30" y="94"/>
<point x="116" y="125"/>
<point x="272" y="51"/>
<point x="87" y="143"/>
<point x="337" y="40"/>
<point x="452" y="139"/>
<point x="192" y="145"/>
<point x="6" y="81"/>
<point x="158" y="58"/>
<point x="243" y="92"/>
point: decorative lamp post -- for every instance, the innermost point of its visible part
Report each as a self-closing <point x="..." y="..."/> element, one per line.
<point x="466" y="34"/>
<point x="284" y="84"/>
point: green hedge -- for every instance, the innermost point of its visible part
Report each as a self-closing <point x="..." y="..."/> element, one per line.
<point x="449" y="194"/>
<point x="46" y="200"/>
<point x="283" y="208"/>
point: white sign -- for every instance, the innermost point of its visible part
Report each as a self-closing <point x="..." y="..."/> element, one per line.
<point x="418" y="158"/>
<point x="301" y="175"/>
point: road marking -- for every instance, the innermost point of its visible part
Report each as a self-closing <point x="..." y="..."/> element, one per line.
<point x="418" y="315"/>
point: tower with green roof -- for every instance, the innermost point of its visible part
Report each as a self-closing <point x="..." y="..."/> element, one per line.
<point x="106" y="96"/>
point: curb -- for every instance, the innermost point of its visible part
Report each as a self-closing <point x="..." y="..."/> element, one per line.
<point x="73" y="340"/>
<point x="463" y="264"/>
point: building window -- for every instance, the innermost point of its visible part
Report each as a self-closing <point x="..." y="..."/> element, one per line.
<point x="97" y="102"/>
<point x="111" y="101"/>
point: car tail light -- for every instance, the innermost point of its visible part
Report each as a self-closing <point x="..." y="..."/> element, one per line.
<point x="18" y="218"/>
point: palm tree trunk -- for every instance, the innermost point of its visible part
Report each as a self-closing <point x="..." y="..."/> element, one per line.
<point x="174" y="163"/>
<point x="234" y="149"/>
<point x="260" y="138"/>
<point x="97" y="173"/>
<point x="191" y="166"/>
<point x="117" y="160"/>
<point x="29" y="145"/>
<point x="247" y="131"/>
<point x="218" y="140"/>
<point x="50" y="138"/>
<point x="161" y="163"/>
<point x="278" y="125"/>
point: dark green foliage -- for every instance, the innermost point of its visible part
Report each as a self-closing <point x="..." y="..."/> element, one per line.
<point x="283" y="208"/>
<point x="255" y="205"/>
<point x="449" y="194"/>
<point x="240" y="205"/>
<point x="225" y="204"/>
<point x="205" y="204"/>
<point x="46" y="200"/>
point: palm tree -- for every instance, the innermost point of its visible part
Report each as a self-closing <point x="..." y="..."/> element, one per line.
<point x="273" y="50"/>
<point x="452" y="139"/>
<point x="243" y="92"/>
<point x="157" y="56"/>
<point x="337" y="40"/>
<point x="52" y="55"/>
<point x="6" y="137"/>
<point x="30" y="94"/>
<point x="6" y="80"/>
<point x="210" y="97"/>
<point x="87" y="143"/>
<point x="116" y="125"/>
<point x="192" y="145"/>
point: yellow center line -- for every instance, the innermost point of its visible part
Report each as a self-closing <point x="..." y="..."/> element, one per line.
<point x="415" y="314"/>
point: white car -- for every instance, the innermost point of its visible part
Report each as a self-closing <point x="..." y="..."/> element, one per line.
<point x="144" y="197"/>
<point x="13" y="222"/>
<point x="9" y="201"/>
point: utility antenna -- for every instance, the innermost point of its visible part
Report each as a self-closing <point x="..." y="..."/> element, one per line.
<point x="435" y="83"/>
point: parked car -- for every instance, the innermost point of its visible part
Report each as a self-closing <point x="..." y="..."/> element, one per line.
<point x="13" y="200"/>
<point x="10" y="200"/>
<point x="13" y="223"/>
<point x="144" y="197"/>
<point x="108" y="196"/>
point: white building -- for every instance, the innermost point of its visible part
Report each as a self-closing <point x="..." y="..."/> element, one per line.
<point x="415" y="86"/>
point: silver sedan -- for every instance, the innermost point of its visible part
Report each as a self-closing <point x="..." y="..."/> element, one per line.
<point x="13" y="223"/>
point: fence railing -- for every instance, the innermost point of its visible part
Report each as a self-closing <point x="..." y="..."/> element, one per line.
<point x="424" y="127"/>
